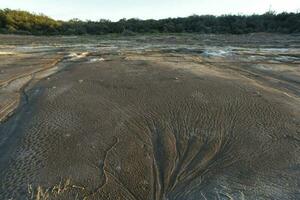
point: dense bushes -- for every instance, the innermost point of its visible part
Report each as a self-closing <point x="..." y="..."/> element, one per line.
<point x="22" y="22"/>
<point x="12" y="21"/>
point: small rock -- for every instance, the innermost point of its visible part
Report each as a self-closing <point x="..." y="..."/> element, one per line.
<point x="80" y="81"/>
<point x="118" y="168"/>
<point x="96" y="60"/>
<point x="257" y="93"/>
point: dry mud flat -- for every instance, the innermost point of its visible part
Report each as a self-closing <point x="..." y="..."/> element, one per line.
<point x="17" y="70"/>
<point x="162" y="123"/>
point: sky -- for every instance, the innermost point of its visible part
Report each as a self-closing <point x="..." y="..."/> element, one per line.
<point x="146" y="9"/>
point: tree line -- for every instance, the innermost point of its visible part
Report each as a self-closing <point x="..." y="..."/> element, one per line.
<point x="22" y="22"/>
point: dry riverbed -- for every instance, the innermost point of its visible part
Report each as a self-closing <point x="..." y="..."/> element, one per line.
<point x="150" y="117"/>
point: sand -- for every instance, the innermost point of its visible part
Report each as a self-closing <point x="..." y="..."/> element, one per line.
<point x="206" y="122"/>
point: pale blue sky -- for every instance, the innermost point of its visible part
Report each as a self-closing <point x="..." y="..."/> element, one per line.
<point x="145" y="9"/>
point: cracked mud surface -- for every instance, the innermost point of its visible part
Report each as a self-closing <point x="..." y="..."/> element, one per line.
<point x="161" y="123"/>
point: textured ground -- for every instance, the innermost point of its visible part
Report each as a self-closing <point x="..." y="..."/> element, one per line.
<point x="178" y="119"/>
